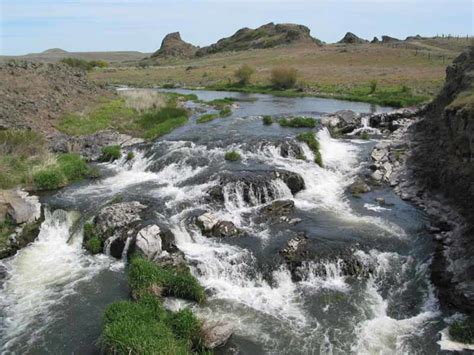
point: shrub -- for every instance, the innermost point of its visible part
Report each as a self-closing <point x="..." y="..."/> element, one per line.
<point x="49" y="178"/>
<point x="267" y="120"/>
<point x="283" y="78"/>
<point x="372" y="86"/>
<point x="207" y="117"/>
<point x="84" y="64"/>
<point x="110" y="153"/>
<point x="297" y="122"/>
<point x="313" y="144"/>
<point x="130" y="156"/>
<point x="174" y="280"/>
<point x="232" y="155"/>
<point x="463" y="331"/>
<point x="244" y="74"/>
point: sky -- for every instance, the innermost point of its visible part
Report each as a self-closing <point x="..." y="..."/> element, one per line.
<point x="30" y="26"/>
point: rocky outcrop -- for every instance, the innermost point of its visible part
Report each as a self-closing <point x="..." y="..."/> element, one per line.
<point x="375" y="40"/>
<point x="343" y="121"/>
<point x="173" y="46"/>
<point x="351" y="38"/>
<point x="441" y="162"/>
<point x="388" y="39"/>
<point x="266" y="36"/>
<point x="34" y="95"/>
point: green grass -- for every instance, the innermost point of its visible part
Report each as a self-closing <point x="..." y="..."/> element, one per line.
<point x="106" y="115"/>
<point x="142" y="327"/>
<point x="157" y="123"/>
<point x="232" y="156"/>
<point x="174" y="281"/>
<point x="313" y="144"/>
<point x="207" y="117"/>
<point x="110" y="153"/>
<point x="225" y="112"/>
<point x="130" y="156"/>
<point x="364" y="135"/>
<point x="6" y="229"/>
<point x="297" y="122"/>
<point x="220" y="103"/>
<point x="67" y="169"/>
<point x="92" y="241"/>
<point x="463" y="331"/>
<point x="267" y="120"/>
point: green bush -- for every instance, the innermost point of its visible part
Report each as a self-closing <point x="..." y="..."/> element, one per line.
<point x="174" y="281"/>
<point x="463" y="331"/>
<point x="267" y="120"/>
<point x="297" y="122"/>
<point x="207" y="117"/>
<point x="110" y="153"/>
<point x="313" y="144"/>
<point x="244" y="74"/>
<point x="84" y="64"/>
<point x="49" y="179"/>
<point x="232" y="156"/>
<point x="283" y="78"/>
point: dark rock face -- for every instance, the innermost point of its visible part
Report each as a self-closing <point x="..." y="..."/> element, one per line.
<point x="278" y="208"/>
<point x="212" y="227"/>
<point x="442" y="162"/>
<point x="266" y="36"/>
<point x="388" y="39"/>
<point x="375" y="40"/>
<point x="173" y="46"/>
<point x="351" y="38"/>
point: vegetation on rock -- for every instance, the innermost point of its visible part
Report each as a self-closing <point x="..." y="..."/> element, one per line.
<point x="267" y="120"/>
<point x="313" y="144"/>
<point x="297" y="122"/>
<point x="110" y="153"/>
<point x="232" y="155"/>
<point x="463" y="331"/>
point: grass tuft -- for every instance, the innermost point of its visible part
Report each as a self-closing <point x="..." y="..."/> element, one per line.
<point x="267" y="120"/>
<point x="313" y="144"/>
<point x="110" y="153"/>
<point x="297" y="122"/>
<point x="232" y="155"/>
<point x="463" y="331"/>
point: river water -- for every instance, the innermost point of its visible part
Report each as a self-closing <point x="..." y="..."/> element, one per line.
<point x="53" y="293"/>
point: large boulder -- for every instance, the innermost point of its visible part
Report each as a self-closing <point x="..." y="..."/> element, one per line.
<point x="345" y="121"/>
<point x="358" y="187"/>
<point x="148" y="242"/>
<point x="211" y="226"/>
<point x="278" y="208"/>
<point x="19" y="207"/>
<point x="388" y="39"/>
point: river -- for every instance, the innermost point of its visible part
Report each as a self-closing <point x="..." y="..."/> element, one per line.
<point x="53" y="293"/>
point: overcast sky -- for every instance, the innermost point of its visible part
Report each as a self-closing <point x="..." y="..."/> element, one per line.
<point x="107" y="25"/>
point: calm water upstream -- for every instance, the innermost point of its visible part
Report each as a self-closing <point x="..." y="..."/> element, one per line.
<point x="53" y="294"/>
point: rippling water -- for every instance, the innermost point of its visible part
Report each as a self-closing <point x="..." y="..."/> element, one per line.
<point x="53" y="293"/>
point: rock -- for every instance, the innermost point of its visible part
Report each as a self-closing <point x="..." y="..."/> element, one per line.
<point x="168" y="241"/>
<point x="388" y="39"/>
<point x="375" y="40"/>
<point x="224" y="229"/>
<point x="294" y="248"/>
<point x="19" y="207"/>
<point x="380" y="201"/>
<point x="278" y="208"/>
<point x="294" y="181"/>
<point x="290" y="148"/>
<point x="118" y="216"/>
<point x="330" y="121"/>
<point x="377" y="175"/>
<point x="216" y="334"/>
<point x="148" y="242"/>
<point x="173" y="46"/>
<point x="359" y="187"/>
<point x="351" y="38"/>
<point x="206" y="221"/>
<point x="378" y="154"/>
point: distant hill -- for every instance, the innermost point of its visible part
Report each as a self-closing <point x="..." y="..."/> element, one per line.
<point x="54" y="51"/>
<point x="173" y="46"/>
<point x="351" y="38"/>
<point x="267" y="36"/>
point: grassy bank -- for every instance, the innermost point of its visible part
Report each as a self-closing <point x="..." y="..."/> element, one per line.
<point x="146" y="114"/>
<point x="144" y="326"/>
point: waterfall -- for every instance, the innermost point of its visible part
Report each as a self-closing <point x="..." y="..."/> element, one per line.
<point x="41" y="275"/>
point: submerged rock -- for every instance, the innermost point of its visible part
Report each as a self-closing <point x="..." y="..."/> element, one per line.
<point x="216" y="334"/>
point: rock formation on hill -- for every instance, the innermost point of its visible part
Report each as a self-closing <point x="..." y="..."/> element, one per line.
<point x="351" y="38"/>
<point x="388" y="39"/>
<point x="266" y="36"/>
<point x="173" y="46"/>
<point x="375" y="40"/>
<point x="442" y="162"/>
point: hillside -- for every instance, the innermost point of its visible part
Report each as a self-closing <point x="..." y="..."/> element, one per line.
<point x="266" y="36"/>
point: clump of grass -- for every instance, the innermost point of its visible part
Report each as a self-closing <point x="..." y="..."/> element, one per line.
<point x="232" y="155"/>
<point x="140" y="328"/>
<point x="207" y="117"/>
<point x="313" y="144"/>
<point x="283" y="78"/>
<point x="373" y="86"/>
<point x="110" y="153"/>
<point x="92" y="241"/>
<point x="185" y="326"/>
<point x="174" y="281"/>
<point x="84" y="64"/>
<point x="225" y="112"/>
<point x="267" y="120"/>
<point x="6" y="229"/>
<point x="463" y="331"/>
<point x="49" y="179"/>
<point x="157" y="123"/>
<point x="364" y="135"/>
<point x="130" y="156"/>
<point x="297" y="122"/>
